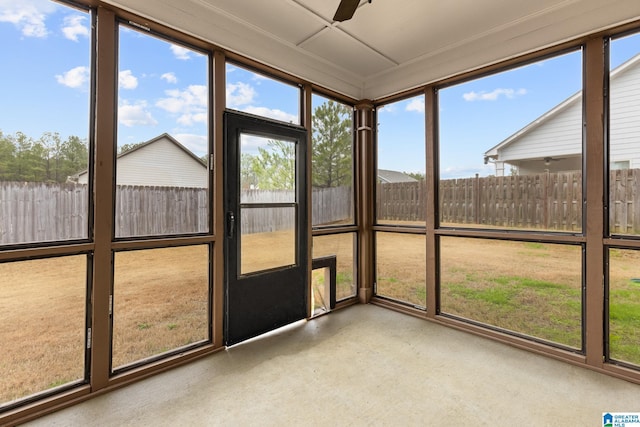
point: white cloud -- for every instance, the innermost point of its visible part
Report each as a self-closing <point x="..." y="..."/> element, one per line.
<point x="494" y="95"/>
<point x="28" y="15"/>
<point x="197" y="144"/>
<point x="272" y="113"/>
<point x="191" y="104"/>
<point x="416" y="105"/>
<point x="135" y="114"/>
<point x="74" y="27"/>
<point x="126" y="80"/>
<point x="239" y="94"/>
<point x="180" y="52"/>
<point x="169" y="77"/>
<point x="456" y="172"/>
<point x="76" y="77"/>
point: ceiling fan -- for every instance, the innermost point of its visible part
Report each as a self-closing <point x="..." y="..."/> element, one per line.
<point x="346" y="9"/>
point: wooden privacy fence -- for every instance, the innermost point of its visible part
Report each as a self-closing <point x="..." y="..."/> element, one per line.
<point x="548" y="201"/>
<point x="35" y="211"/>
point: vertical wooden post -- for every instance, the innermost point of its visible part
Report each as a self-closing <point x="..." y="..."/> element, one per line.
<point x="594" y="192"/>
<point x="217" y="212"/>
<point x="105" y="148"/>
<point x="366" y="183"/>
<point x="432" y="183"/>
<point x="307" y="122"/>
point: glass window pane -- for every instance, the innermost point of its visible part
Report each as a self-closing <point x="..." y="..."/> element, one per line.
<point x="401" y="191"/>
<point x="163" y="114"/>
<point x="42" y="325"/>
<point x="332" y="162"/>
<point x="44" y="122"/>
<point x="267" y="170"/>
<point x="160" y="302"/>
<point x="401" y="267"/>
<point x="510" y="148"/>
<point x="533" y="289"/>
<point x="624" y="133"/>
<point x="257" y="94"/>
<point x="342" y="246"/>
<point x="624" y="305"/>
<point x="268" y="238"/>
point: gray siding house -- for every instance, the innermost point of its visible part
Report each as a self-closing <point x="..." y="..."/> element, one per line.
<point x="161" y="162"/>
<point x="553" y="142"/>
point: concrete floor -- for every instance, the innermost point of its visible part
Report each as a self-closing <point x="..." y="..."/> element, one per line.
<point x="364" y="365"/>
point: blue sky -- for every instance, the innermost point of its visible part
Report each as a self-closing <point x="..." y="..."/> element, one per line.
<point x="163" y="88"/>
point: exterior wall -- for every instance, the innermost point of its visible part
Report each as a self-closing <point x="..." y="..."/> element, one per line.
<point x="558" y="137"/>
<point x="561" y="136"/>
<point x="625" y="118"/>
<point x="161" y="164"/>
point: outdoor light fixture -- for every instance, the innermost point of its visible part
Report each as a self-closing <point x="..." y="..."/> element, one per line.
<point x="547" y="161"/>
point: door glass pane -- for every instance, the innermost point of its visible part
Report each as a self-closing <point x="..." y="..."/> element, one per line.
<point x="267" y="170"/>
<point x="268" y="238"/>
<point x="161" y="302"/>
<point x="45" y="87"/>
<point x="42" y="325"/>
<point x="163" y="114"/>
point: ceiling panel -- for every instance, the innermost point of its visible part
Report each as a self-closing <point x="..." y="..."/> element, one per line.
<point x="342" y="50"/>
<point x="283" y="19"/>
<point x="389" y="46"/>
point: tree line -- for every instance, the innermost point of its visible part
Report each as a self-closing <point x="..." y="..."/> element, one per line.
<point x="46" y="159"/>
<point x="52" y="159"/>
<point x="273" y="167"/>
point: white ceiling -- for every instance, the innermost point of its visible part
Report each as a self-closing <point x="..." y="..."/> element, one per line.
<point x="390" y="45"/>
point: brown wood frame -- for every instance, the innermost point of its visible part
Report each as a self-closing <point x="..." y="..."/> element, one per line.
<point x="102" y="245"/>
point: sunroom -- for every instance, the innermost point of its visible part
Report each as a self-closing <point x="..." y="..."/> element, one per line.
<point x="181" y="180"/>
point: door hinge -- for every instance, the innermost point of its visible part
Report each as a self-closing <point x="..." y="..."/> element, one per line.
<point x="110" y="305"/>
<point x="211" y="160"/>
<point x="88" y="338"/>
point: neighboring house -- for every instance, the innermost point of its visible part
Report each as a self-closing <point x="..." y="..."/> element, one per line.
<point x="553" y="142"/>
<point x="162" y="162"/>
<point x="387" y="177"/>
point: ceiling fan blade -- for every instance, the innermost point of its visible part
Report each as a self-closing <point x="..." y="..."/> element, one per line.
<point x="345" y="10"/>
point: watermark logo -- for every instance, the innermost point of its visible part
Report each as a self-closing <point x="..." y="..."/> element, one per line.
<point x="621" y="419"/>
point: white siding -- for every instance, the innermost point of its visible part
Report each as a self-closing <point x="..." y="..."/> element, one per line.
<point x="560" y="136"/>
<point x="625" y="117"/>
<point x="161" y="163"/>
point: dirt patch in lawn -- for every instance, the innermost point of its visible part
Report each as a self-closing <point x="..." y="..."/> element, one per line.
<point x="161" y="298"/>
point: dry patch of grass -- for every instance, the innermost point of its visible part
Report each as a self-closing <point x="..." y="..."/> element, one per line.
<point x="161" y="298"/>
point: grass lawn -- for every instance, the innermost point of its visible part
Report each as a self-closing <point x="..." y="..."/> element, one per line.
<point x="161" y="299"/>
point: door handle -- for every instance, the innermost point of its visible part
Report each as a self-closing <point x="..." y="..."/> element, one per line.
<point x="231" y="224"/>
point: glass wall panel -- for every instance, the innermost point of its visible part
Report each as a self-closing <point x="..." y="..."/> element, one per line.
<point x="268" y="238"/>
<point x="533" y="289"/>
<point x="332" y="163"/>
<point x="510" y="148"/>
<point x="342" y="246"/>
<point x="401" y="267"/>
<point x="45" y="83"/>
<point x="160" y="302"/>
<point x="42" y="325"/>
<point x="624" y="305"/>
<point x="257" y="94"/>
<point x="401" y="188"/>
<point x="162" y="174"/>
<point x="624" y="136"/>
